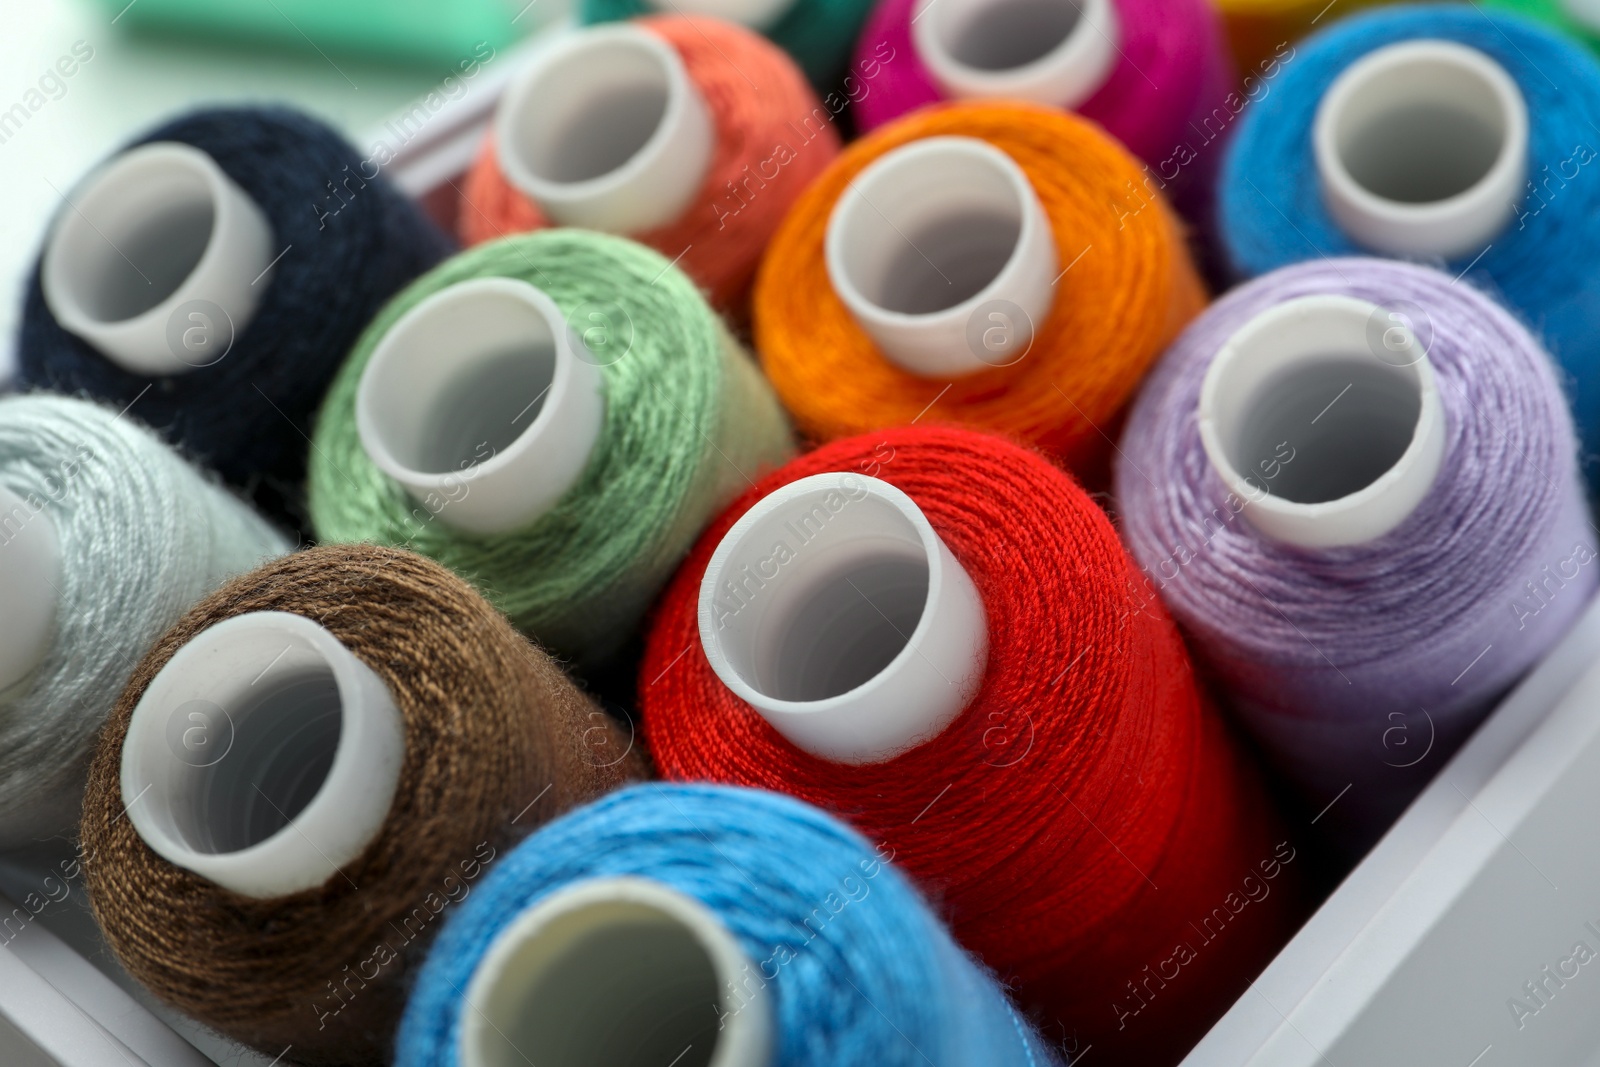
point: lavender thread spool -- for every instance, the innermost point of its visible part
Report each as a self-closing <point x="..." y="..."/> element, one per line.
<point x="1370" y="524"/>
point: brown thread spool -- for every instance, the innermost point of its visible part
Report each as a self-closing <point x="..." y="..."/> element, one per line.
<point x="497" y="741"/>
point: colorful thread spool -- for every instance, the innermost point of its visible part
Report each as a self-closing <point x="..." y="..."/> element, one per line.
<point x="1354" y="483"/>
<point x="1150" y="72"/>
<point x="1432" y="132"/>
<point x="590" y="415"/>
<point x="725" y="926"/>
<point x="690" y="134"/>
<point x="936" y="635"/>
<point x="305" y="773"/>
<point x="107" y="536"/>
<point x="1046" y="355"/>
<point x="214" y="272"/>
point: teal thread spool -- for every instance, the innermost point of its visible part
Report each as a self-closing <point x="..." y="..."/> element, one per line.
<point x="461" y="427"/>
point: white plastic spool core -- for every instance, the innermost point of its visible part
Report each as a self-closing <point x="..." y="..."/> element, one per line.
<point x="482" y="404"/>
<point x="263" y="756"/>
<point x="758" y="15"/>
<point x="1323" y="415"/>
<point x="1584" y="12"/>
<point x="1422" y="149"/>
<point x="835" y="610"/>
<point x="617" y="971"/>
<point x="30" y="577"/>
<point x="942" y="253"/>
<point x="147" y="253"/>
<point x="604" y="129"/>
<point x="1053" y="52"/>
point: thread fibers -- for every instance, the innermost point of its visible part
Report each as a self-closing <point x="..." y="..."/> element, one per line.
<point x="1088" y="729"/>
<point x="772" y="136"/>
<point x="875" y="980"/>
<point x="352" y="242"/>
<point x="143" y="536"/>
<point x="1347" y="661"/>
<point x="688" y="419"/>
<point x="498" y="742"/>
<point x="1270" y="205"/>
<point x="817" y="34"/>
<point x="1128" y="286"/>
<point x="1172" y="70"/>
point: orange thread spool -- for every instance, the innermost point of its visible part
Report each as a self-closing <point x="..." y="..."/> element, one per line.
<point x="1127" y="287"/>
<point x="772" y="137"/>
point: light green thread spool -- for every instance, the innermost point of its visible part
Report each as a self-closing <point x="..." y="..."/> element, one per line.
<point x="687" y="422"/>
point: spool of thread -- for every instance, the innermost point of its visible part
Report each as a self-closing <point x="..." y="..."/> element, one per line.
<point x="935" y="634"/>
<point x="962" y="265"/>
<point x="569" y="511"/>
<point x="107" y="536"/>
<point x="1434" y="133"/>
<point x="1354" y="483"/>
<point x="817" y="34"/>
<point x="727" y="926"/>
<point x="1143" y="69"/>
<point x="213" y="272"/>
<point x="690" y="134"/>
<point x="314" y="764"/>
<point x="1579" y="19"/>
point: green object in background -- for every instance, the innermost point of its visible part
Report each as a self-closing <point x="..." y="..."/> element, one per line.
<point x="418" y="31"/>
<point x="1554" y="13"/>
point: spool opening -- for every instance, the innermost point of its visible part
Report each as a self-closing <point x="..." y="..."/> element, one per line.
<point x="597" y="108"/>
<point x="1421" y="149"/>
<point x="562" y="999"/>
<point x="135" y="236"/>
<point x="924" y="235"/>
<point x="481" y="382"/>
<point x="994" y="35"/>
<point x="838" y="613"/>
<point x="263" y="756"/>
<point x="618" y="971"/>
<point x="834" y="584"/>
<point x="460" y="378"/>
<point x="1417" y="146"/>
<point x="284" y="740"/>
<point x="1323" y="415"/>
<point x="1346" y="418"/>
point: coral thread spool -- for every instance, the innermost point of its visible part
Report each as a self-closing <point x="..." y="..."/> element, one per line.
<point x="604" y="129"/>
<point x="689" y="134"/>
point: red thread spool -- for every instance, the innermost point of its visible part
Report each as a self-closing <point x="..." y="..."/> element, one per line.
<point x="1081" y="811"/>
<point x="770" y="137"/>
